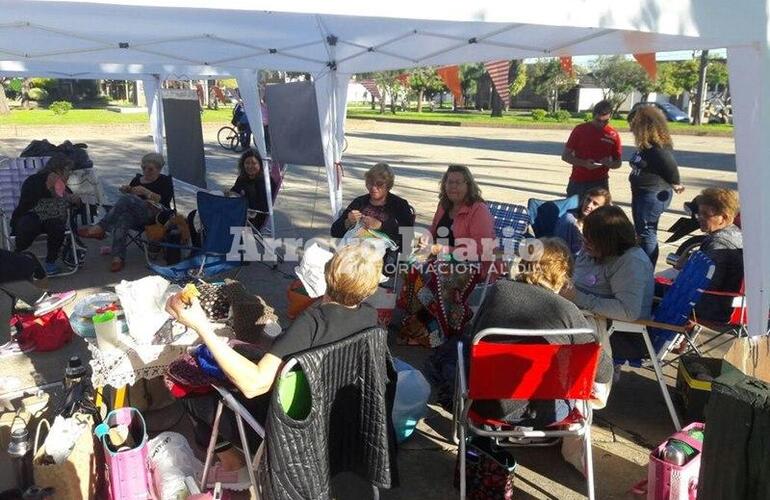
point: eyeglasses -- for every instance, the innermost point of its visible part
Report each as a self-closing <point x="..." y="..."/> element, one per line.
<point x="378" y="185"/>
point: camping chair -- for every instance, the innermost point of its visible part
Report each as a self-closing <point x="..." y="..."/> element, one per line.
<point x="545" y="213"/>
<point x="735" y="326"/>
<point x="292" y="391"/>
<point x="510" y="223"/>
<point x="218" y="215"/>
<point x="670" y="319"/>
<point x="541" y="371"/>
<point x="12" y="175"/>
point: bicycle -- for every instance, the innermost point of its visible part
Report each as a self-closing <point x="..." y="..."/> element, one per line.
<point x="229" y="138"/>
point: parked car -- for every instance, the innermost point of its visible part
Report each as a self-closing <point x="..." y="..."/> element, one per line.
<point x="671" y="112"/>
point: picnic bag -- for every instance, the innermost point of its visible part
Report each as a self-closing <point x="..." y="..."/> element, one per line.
<point x="669" y="481"/>
<point x="78" y="477"/>
<point x="126" y="463"/>
<point x="489" y="471"/>
<point x="48" y="332"/>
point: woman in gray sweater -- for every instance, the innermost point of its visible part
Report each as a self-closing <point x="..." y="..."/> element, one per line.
<point x="613" y="276"/>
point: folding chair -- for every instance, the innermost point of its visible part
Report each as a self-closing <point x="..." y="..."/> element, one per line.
<point x="510" y="223"/>
<point x="218" y="215"/>
<point x="12" y="175"/>
<point x="540" y="371"/>
<point x="545" y="213"/>
<point x="669" y="319"/>
<point x="735" y="326"/>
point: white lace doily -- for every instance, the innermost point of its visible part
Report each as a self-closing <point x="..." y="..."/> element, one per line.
<point x="132" y="362"/>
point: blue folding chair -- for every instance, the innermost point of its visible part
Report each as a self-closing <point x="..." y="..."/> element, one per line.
<point x="669" y="320"/>
<point x="545" y="213"/>
<point x="511" y="222"/>
<point x="217" y="214"/>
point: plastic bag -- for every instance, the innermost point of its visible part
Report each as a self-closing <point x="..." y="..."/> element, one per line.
<point x="411" y="403"/>
<point x="171" y="460"/>
<point x="144" y="302"/>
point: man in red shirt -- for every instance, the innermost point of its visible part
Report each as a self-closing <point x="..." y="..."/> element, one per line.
<point x="592" y="149"/>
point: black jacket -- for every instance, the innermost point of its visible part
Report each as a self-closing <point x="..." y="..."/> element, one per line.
<point x="33" y="189"/>
<point x="397" y="209"/>
<point x="349" y="428"/>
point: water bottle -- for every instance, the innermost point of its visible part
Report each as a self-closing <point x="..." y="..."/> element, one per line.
<point x="74" y="372"/>
<point x="20" y="451"/>
<point x="678" y="452"/>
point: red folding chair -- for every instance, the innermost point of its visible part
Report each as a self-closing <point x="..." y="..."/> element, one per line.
<point x="735" y="326"/>
<point x="505" y="370"/>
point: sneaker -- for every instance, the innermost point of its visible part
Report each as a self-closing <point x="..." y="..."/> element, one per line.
<point x="13" y="347"/>
<point x="49" y="302"/>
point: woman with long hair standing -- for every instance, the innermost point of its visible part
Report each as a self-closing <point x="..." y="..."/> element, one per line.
<point x="654" y="176"/>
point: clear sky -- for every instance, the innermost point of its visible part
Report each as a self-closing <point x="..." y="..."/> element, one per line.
<point x="660" y="56"/>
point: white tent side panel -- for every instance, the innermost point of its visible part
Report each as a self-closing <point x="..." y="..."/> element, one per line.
<point x="749" y="69"/>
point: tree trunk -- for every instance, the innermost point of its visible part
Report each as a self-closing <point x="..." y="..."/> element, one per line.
<point x="372" y="102"/>
<point x="497" y="104"/>
<point x="701" y="96"/>
<point x="419" y="100"/>
<point x="4" y="109"/>
<point x="382" y="103"/>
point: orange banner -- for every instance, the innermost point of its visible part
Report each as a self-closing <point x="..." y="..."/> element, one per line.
<point x="647" y="61"/>
<point x="566" y="65"/>
<point x="450" y="75"/>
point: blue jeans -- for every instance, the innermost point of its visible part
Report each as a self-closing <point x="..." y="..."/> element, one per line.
<point x="647" y="206"/>
<point x="130" y="212"/>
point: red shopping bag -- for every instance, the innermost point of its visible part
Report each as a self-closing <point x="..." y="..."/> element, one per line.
<point x="45" y="333"/>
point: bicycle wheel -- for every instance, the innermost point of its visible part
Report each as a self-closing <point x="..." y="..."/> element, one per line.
<point x="225" y="137"/>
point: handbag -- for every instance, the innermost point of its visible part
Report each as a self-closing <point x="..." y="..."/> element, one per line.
<point x="78" y="477"/>
<point x="126" y="463"/>
<point x="489" y="471"/>
<point x="44" y="333"/>
<point x="214" y="301"/>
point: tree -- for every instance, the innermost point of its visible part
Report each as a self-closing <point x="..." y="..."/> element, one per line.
<point x="619" y="77"/>
<point x="4" y="108"/>
<point x="548" y="80"/>
<point x="470" y="74"/>
<point x="517" y="75"/>
<point x="425" y="81"/>
<point x="389" y="85"/>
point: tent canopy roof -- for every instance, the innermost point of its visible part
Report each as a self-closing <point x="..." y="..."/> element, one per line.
<point x="191" y="39"/>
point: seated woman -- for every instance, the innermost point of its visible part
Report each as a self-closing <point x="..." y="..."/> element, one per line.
<point x="613" y="276"/>
<point x="569" y="227"/>
<point x="463" y="230"/>
<point x="147" y="195"/>
<point x="42" y="209"/>
<point x="379" y="209"/>
<point x="723" y="244"/>
<point x="251" y="184"/>
<point x="351" y="276"/>
<point x="532" y="302"/>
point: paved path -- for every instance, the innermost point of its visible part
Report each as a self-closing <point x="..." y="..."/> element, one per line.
<point x="511" y="165"/>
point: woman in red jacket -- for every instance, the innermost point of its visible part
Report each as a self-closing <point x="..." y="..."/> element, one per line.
<point x="463" y="236"/>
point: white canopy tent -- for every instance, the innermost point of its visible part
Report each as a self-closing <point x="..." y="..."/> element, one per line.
<point x="185" y="39"/>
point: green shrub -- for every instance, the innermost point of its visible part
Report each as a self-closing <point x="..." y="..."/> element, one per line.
<point x="60" y="107"/>
<point x="37" y="94"/>
<point x="561" y="115"/>
<point x="42" y="83"/>
<point x="588" y="116"/>
<point x="539" y="114"/>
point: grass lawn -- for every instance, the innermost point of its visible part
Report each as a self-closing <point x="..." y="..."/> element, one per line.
<point x="514" y="119"/>
<point x="96" y="117"/>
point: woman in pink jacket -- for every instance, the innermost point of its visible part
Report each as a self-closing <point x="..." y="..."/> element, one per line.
<point x="463" y="242"/>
